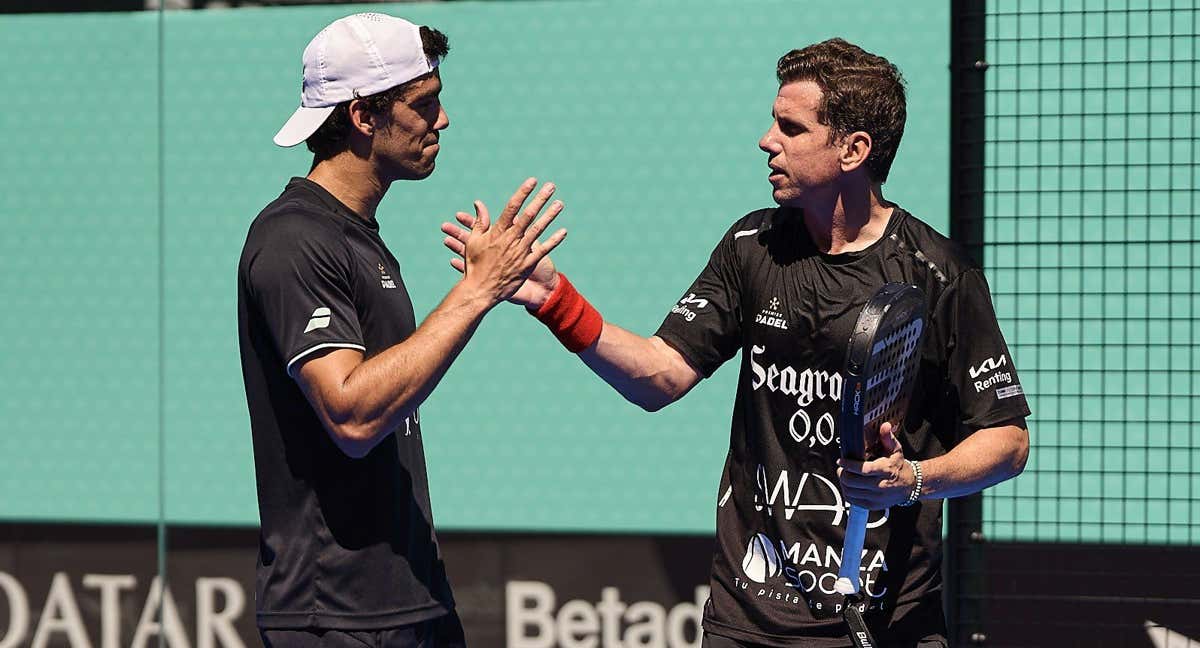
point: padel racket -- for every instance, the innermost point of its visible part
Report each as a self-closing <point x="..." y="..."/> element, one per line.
<point x="882" y="358"/>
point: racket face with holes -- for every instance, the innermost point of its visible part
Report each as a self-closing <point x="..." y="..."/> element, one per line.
<point x="882" y="359"/>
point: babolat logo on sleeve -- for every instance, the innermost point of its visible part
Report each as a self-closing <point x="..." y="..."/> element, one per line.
<point x="690" y="300"/>
<point x="320" y="319"/>
<point x="996" y="378"/>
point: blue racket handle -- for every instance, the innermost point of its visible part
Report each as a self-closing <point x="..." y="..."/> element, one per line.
<point x="856" y="532"/>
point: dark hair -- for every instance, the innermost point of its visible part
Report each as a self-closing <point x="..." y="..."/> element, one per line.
<point x="860" y="92"/>
<point x="333" y="136"/>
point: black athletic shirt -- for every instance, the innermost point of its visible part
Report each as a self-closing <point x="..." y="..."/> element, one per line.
<point x="346" y="543"/>
<point x="768" y="292"/>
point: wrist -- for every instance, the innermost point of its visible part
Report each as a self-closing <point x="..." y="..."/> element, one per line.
<point x="918" y="483"/>
<point x="539" y="300"/>
<point x="575" y="322"/>
<point x="473" y="296"/>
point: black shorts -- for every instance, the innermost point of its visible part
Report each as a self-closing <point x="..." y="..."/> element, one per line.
<point x="442" y="632"/>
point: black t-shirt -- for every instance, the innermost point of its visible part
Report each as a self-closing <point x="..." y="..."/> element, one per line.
<point x="768" y="292"/>
<point x="346" y="543"/>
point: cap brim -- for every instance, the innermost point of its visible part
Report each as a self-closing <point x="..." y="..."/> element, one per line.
<point x="303" y="122"/>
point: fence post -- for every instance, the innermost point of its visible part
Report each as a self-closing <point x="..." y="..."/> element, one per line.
<point x="968" y="65"/>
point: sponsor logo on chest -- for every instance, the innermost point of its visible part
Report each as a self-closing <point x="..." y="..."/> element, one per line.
<point x="771" y="316"/>
<point x="385" y="279"/>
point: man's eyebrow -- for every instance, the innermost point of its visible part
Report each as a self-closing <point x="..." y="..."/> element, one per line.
<point x="423" y="94"/>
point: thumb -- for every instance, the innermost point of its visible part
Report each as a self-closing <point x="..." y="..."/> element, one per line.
<point x="888" y="440"/>
<point x="482" y="222"/>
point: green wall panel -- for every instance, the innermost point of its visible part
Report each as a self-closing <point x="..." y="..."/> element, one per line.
<point x="646" y="115"/>
<point x="79" y="268"/>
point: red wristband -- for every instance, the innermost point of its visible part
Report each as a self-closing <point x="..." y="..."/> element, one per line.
<point x="575" y="322"/>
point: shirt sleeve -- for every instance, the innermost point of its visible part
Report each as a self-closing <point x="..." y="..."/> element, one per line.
<point x="301" y="284"/>
<point x="705" y="324"/>
<point x="979" y="366"/>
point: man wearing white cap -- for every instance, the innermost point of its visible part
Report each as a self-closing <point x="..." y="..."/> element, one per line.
<point x="334" y="364"/>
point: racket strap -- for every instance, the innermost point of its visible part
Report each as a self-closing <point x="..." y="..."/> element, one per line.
<point x="860" y="636"/>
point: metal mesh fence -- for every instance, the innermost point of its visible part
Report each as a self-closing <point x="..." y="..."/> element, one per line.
<point x="1089" y="235"/>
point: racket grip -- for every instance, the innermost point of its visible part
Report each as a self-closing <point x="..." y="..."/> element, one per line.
<point x="856" y="533"/>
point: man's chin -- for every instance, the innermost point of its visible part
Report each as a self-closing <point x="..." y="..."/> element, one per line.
<point x="786" y="197"/>
<point x="418" y="173"/>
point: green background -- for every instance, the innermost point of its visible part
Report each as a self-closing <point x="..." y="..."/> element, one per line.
<point x="126" y="209"/>
<point x="139" y="151"/>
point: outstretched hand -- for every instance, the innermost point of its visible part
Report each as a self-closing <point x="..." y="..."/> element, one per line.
<point x="882" y="482"/>
<point x="500" y="257"/>
<point x="538" y="279"/>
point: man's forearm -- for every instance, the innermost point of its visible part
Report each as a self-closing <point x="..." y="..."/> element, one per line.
<point x="983" y="459"/>
<point x="385" y="389"/>
<point x="646" y="371"/>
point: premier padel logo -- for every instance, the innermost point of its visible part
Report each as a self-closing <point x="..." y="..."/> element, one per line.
<point x="770" y="316"/>
<point x="685" y="305"/>
<point x="320" y="319"/>
<point x="385" y="279"/>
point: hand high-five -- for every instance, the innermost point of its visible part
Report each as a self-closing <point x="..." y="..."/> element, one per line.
<point x="506" y="254"/>
<point x="500" y="256"/>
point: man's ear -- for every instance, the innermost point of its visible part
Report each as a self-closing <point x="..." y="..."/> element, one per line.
<point x="362" y="120"/>
<point x="856" y="148"/>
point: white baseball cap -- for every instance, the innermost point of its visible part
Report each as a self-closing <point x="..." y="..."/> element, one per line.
<point x="354" y="57"/>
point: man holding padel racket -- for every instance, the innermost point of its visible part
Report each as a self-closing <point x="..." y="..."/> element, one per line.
<point x="786" y="286"/>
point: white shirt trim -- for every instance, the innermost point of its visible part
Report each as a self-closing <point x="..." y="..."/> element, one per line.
<point x="326" y="345"/>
